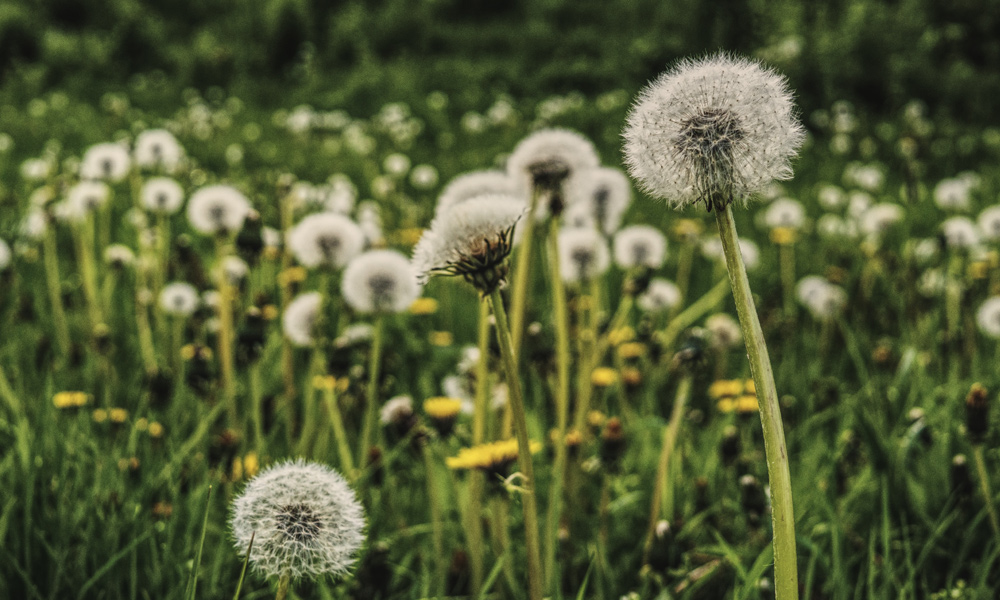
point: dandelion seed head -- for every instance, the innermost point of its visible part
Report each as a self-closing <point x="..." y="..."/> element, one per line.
<point x="300" y="318"/>
<point x="5" y="255"/>
<point x="162" y="195"/>
<point x="661" y="295"/>
<point x="785" y="212"/>
<point x="960" y="232"/>
<point x="879" y="218"/>
<point x="953" y="195"/>
<point x="380" y="281"/>
<point x="304" y="518"/>
<point x="583" y="254"/>
<point x="479" y="183"/>
<point x="603" y="193"/>
<point x="545" y="158"/>
<point x="82" y="199"/>
<point x="217" y="209"/>
<point x="640" y="246"/>
<point x="119" y="255"/>
<point x="107" y="162"/>
<point x="179" y="299"/>
<point x="711" y="128"/>
<point x="989" y="223"/>
<point x="325" y="240"/>
<point x="723" y="330"/>
<point x="396" y="410"/>
<point x="158" y="149"/>
<point x="988" y="317"/>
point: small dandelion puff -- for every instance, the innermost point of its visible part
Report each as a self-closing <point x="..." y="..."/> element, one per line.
<point x="380" y="281"/>
<point x="989" y="223"/>
<point x="5" y="255"/>
<point x="953" y="195"/>
<point x="179" y="299"/>
<point x="396" y="410"/>
<point x="831" y="197"/>
<point x="879" y="218"/>
<point x="158" y="149"/>
<point x="809" y="288"/>
<point x="988" y="317"/>
<point x="583" y="254"/>
<point x="723" y="331"/>
<point x="108" y="162"/>
<point x="328" y="240"/>
<point x="834" y="227"/>
<point x="235" y="269"/>
<point x="305" y="519"/>
<point x="784" y="212"/>
<point x="36" y="169"/>
<point x="217" y="210"/>
<point x="712" y="130"/>
<point x="640" y="246"/>
<point x="162" y="195"/>
<point x="826" y="302"/>
<point x="603" y="193"/>
<point x="423" y="177"/>
<point x="660" y="296"/>
<point x="118" y="256"/>
<point x="545" y="158"/>
<point x="960" y="232"/>
<point x="473" y="240"/>
<point x="478" y="183"/>
<point x="300" y="318"/>
<point x="83" y="199"/>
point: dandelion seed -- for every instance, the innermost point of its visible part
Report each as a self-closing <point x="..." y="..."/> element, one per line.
<point x="640" y="246"/>
<point x="583" y="254"/>
<point x="158" y="149"/>
<point x="325" y="240"/>
<point x="179" y="299"/>
<point x="108" y="162"/>
<point x="162" y="195"/>
<point x="217" y="210"/>
<point x="380" y="281"/>
<point x="305" y="520"/>
<point x="301" y="317"/>
<point x="712" y="130"/>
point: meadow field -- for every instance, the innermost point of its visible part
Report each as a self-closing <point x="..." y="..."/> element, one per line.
<point x="405" y="300"/>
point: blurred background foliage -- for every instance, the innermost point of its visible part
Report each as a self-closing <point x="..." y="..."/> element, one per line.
<point x="355" y="54"/>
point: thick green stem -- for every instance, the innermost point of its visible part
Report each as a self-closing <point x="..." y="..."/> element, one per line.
<point x="285" y="294"/>
<point x="562" y="406"/>
<point x="783" y="517"/>
<point x="84" y="236"/>
<point x="437" y="521"/>
<point x="984" y="486"/>
<point x="226" y="332"/>
<point x="666" y="451"/>
<point x="474" y="526"/>
<point x="371" y="393"/>
<point x="339" y="433"/>
<point x="522" y="269"/>
<point x="535" y="576"/>
<point x="8" y="396"/>
<point x="283" y="584"/>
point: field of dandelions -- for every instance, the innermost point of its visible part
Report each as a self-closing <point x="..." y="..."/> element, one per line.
<point x="218" y="341"/>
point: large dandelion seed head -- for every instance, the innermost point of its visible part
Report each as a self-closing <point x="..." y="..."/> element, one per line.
<point x="603" y="193"/>
<point x="544" y="159"/>
<point x="583" y="254"/>
<point x="713" y="130"/>
<point x="304" y="518"/>
<point x="325" y="240"/>
<point x="179" y="299"/>
<point x="300" y="318"/>
<point x="380" y="281"/>
<point x="162" y="195"/>
<point x="478" y="183"/>
<point x="473" y="240"/>
<point x="217" y="209"/>
<point x="108" y="162"/>
<point x="158" y="149"/>
<point x="640" y="246"/>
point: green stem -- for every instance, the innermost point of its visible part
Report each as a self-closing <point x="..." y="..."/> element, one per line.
<point x="226" y="332"/>
<point x="256" y="415"/>
<point x="8" y="396"/>
<point x="685" y="259"/>
<point x="55" y="291"/>
<point x="782" y="516"/>
<point x="984" y="486"/>
<point x="786" y="255"/>
<point x="562" y="406"/>
<point x="337" y="421"/>
<point x="371" y="393"/>
<point x="474" y="527"/>
<point x="85" y="254"/>
<point x="285" y="295"/>
<point x="691" y="314"/>
<point x="283" y="584"/>
<point x="519" y="292"/>
<point x="666" y="451"/>
<point x="437" y="521"/>
<point x="535" y="577"/>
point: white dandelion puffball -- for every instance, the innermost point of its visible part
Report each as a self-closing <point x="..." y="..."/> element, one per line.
<point x="866" y="177"/>
<point x="546" y="157"/>
<point x="988" y="317"/>
<point x="36" y="169"/>
<point x="179" y="299"/>
<point x="396" y="410"/>
<point x="879" y="218"/>
<point x="325" y="240"/>
<point x="304" y="518"/>
<point x="960" y="232"/>
<point x="640" y="246"/>
<point x="717" y="127"/>
<point x="831" y="197"/>
<point x="583" y="254"/>
<point x="300" y="318"/>
<point x="723" y="330"/>
<point x="604" y="192"/>
<point x="34" y="225"/>
<point x="953" y="195"/>
<point x="478" y="183"/>
<point x="119" y="255"/>
<point x="475" y="234"/>
<point x="5" y="255"/>
<point x="158" y="149"/>
<point x="84" y="198"/>
<point x="809" y="288"/>
<point x="380" y="281"/>
<point x="833" y="227"/>
<point x="162" y="195"/>
<point x="824" y="300"/>
<point x="661" y="295"/>
<point x="989" y="223"/>
<point x="235" y="269"/>
<point x="785" y="212"/>
<point x="423" y="177"/>
<point x="217" y="209"/>
<point x="271" y="237"/>
<point x="109" y="162"/>
<point x="751" y="254"/>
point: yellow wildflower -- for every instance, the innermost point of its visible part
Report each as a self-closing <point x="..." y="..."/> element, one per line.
<point x="70" y="399"/>
<point x="632" y="350"/>
<point x="488" y="456"/>
<point x="441" y="338"/>
<point x="324" y="382"/>
<point x="621" y="335"/>
<point x="269" y="312"/>
<point x="783" y="235"/>
<point x="687" y="228"/>
<point x="725" y="388"/>
<point x="118" y="415"/>
<point x="292" y="275"/>
<point x="596" y="418"/>
<point x="251" y="465"/>
<point x="410" y="236"/>
<point x="442" y="407"/>
<point x="155" y="429"/>
<point x="424" y="306"/>
<point x="100" y="415"/>
<point x="603" y="377"/>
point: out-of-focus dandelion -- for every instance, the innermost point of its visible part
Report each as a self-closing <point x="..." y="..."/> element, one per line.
<point x="179" y="299"/>
<point x="108" y="162"/>
<point x="478" y="183"/>
<point x="162" y="195"/>
<point x="640" y="246"/>
<point x="960" y="233"/>
<point x="953" y="195"/>
<point x="380" y="281"/>
<point x="602" y="194"/>
<point x="300" y="318"/>
<point x="217" y="210"/>
<point x="660" y="296"/>
<point x="158" y="149"/>
<point x="988" y="317"/>
<point x="327" y="240"/>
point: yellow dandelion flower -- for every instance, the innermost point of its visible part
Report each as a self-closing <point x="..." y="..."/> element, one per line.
<point x="488" y="456"/>
<point x="410" y="236"/>
<point x="725" y="388"/>
<point x="979" y="269"/>
<point x="269" y="312"/>
<point x="687" y="228"/>
<point x="187" y="351"/>
<point x="726" y="405"/>
<point x="441" y="338"/>
<point x="155" y="429"/>
<point x="631" y="376"/>
<point x="292" y="275"/>
<point x="118" y="415"/>
<point x="70" y="399"/>
<point x="237" y="471"/>
<point x="783" y="235"/>
<point x="749" y="387"/>
<point x="442" y="407"/>
<point x="596" y="418"/>
<point x="324" y="382"/>
<point x="632" y="350"/>
<point x="621" y="335"/>
<point x="100" y="415"/>
<point x="251" y="465"/>
<point x="342" y="384"/>
<point x="424" y="306"/>
<point x="746" y="403"/>
<point x="603" y="377"/>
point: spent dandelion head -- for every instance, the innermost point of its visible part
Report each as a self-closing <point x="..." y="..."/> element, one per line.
<point x="713" y="130"/>
<point x="988" y="317"/>
<point x="305" y="520"/>
<point x="380" y="281"/>
<point x="328" y="240"/>
<point x="583" y="254"/>
<point x="478" y="183"/>
<point x="601" y="193"/>
<point x="300" y="318"/>
<point x="158" y="149"/>
<point x="162" y="195"/>
<point x="639" y="246"/>
<point x="106" y="162"/>
<point x="179" y="299"/>
<point x="217" y="210"/>
<point x="660" y="296"/>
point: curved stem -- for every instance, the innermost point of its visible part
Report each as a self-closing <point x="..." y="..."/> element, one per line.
<point x="519" y="292"/>
<point x="371" y="407"/>
<point x="54" y="284"/>
<point x="535" y="577"/>
<point x="782" y="516"/>
<point x="283" y="584"/>
<point x="339" y="433"/>
<point x="669" y="441"/>
<point x="477" y="479"/>
<point x="226" y="332"/>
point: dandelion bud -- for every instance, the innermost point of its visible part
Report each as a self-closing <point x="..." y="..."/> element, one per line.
<point x="961" y="478"/>
<point x="977" y="414"/>
<point x="250" y="239"/>
<point x="692" y="356"/>
<point x="443" y="413"/>
<point x="251" y="337"/>
<point x="373" y="463"/>
<point x="753" y="499"/>
<point x="612" y="445"/>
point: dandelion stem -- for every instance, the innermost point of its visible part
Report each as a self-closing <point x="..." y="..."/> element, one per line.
<point x="474" y="526"/>
<point x="685" y="259"/>
<point x="337" y="421"/>
<point x="562" y="405"/>
<point x="535" y="577"/>
<point x="518" y="305"/>
<point x="226" y="331"/>
<point x="984" y="486"/>
<point x="52" y="279"/>
<point x="691" y="314"/>
<point x="84" y="236"/>
<point x="782" y="516"/>
<point x="371" y="393"/>
<point x="284" y="583"/>
<point x="8" y="395"/>
<point x="437" y="521"/>
<point x="666" y="451"/>
<point x="786" y="256"/>
<point x="287" y="353"/>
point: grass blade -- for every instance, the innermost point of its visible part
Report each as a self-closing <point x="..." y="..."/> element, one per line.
<point x="193" y="577"/>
